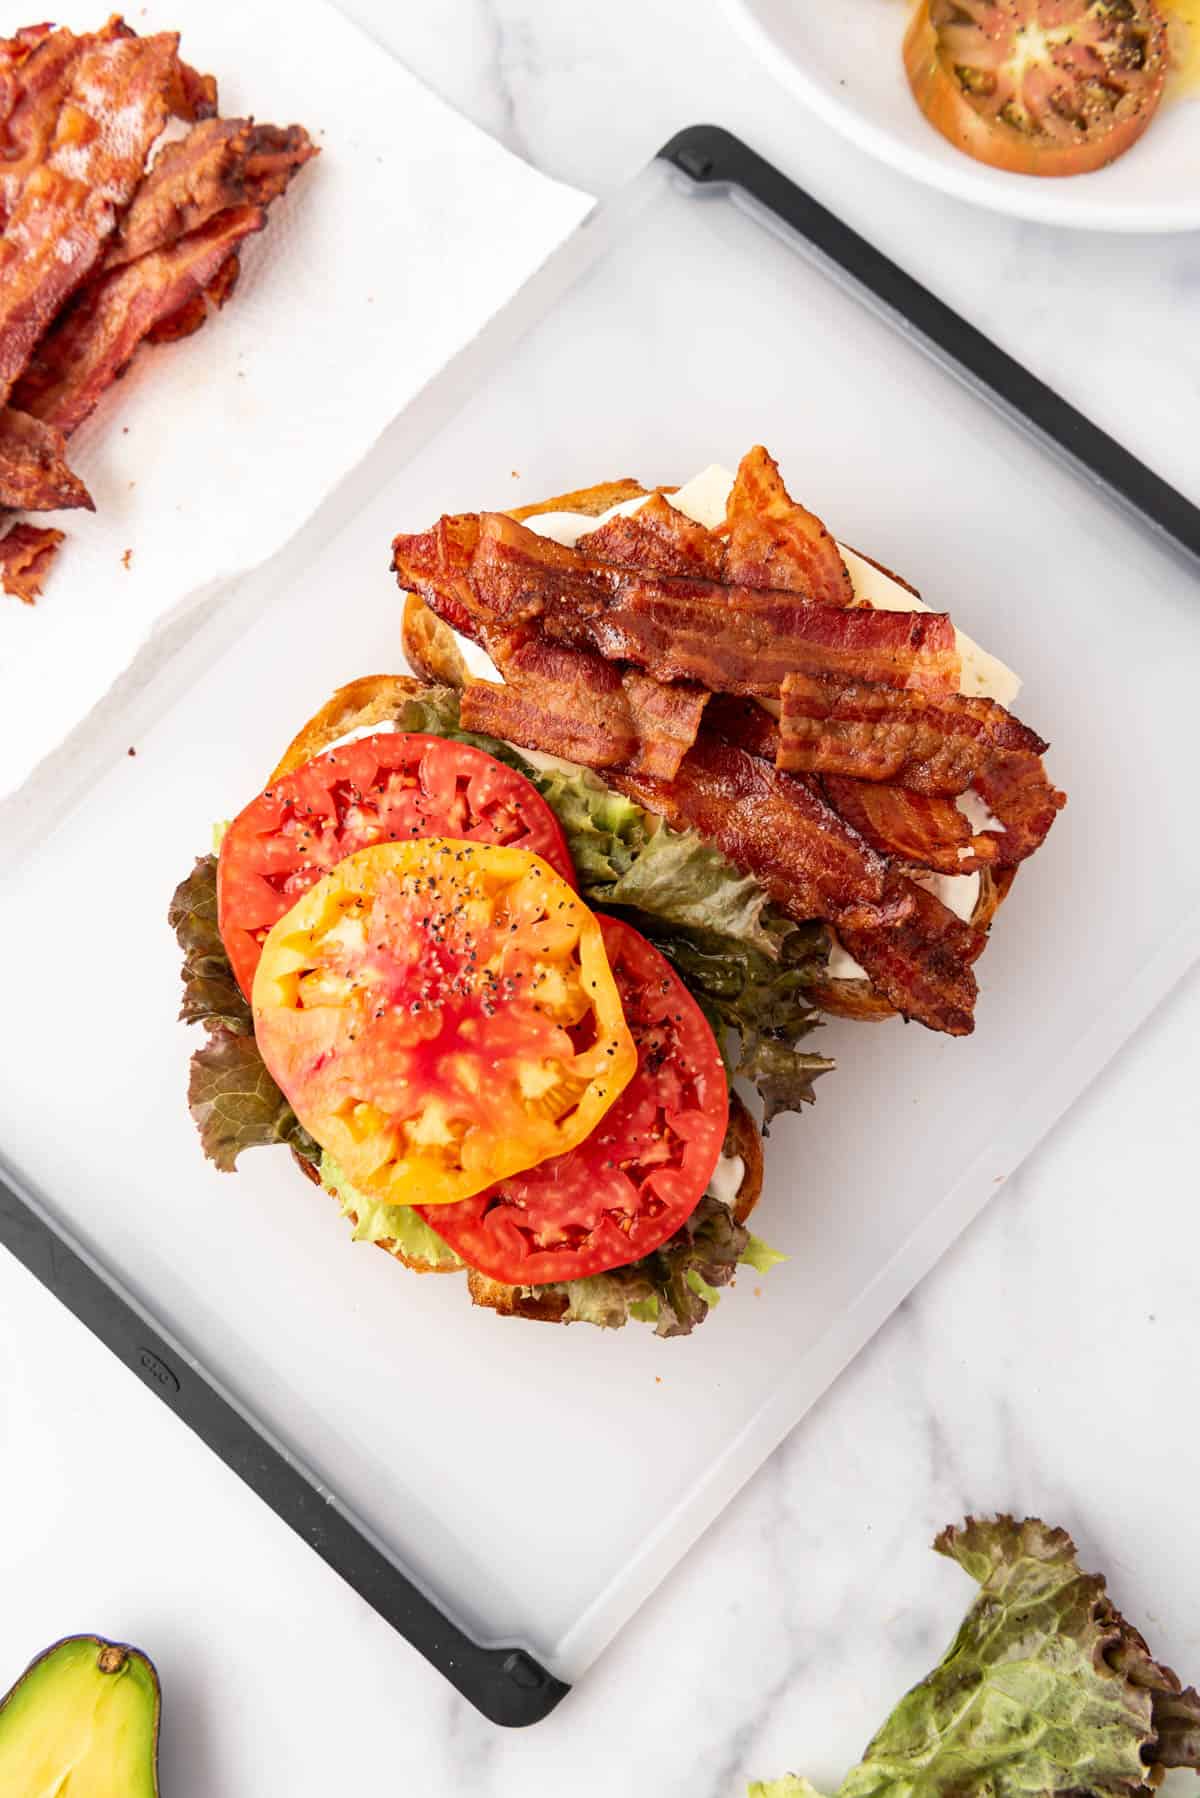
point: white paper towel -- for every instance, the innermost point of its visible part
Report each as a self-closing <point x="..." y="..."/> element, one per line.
<point x="389" y="252"/>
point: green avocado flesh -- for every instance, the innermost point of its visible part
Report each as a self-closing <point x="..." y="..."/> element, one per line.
<point x="82" y="1722"/>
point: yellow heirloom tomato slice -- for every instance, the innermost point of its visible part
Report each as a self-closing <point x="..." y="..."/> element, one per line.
<point x="441" y="1015"/>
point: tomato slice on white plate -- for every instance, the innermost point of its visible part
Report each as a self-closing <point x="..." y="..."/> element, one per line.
<point x="1038" y="87"/>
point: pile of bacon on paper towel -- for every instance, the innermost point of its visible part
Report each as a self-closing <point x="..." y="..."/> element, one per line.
<point x="108" y="241"/>
<point x="730" y="681"/>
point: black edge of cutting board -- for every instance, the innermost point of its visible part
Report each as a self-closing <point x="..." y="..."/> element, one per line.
<point x="712" y="157"/>
<point x="506" y="1684"/>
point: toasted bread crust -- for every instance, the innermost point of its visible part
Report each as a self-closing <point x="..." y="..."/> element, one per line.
<point x="430" y="647"/>
<point x="855" y="999"/>
<point x="590" y="501"/>
<point x="373" y="699"/>
<point x="510" y="1301"/>
<point x="744" y="1140"/>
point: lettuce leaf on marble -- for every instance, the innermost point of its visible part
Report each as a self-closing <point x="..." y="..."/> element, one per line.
<point x="233" y="1100"/>
<point x="1046" y="1688"/>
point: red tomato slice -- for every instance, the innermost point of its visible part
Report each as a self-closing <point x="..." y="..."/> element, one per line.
<point x="383" y="789"/>
<point x="643" y="1170"/>
<point x="1039" y="87"/>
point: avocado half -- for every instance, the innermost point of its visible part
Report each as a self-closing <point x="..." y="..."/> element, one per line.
<point x="83" y="1718"/>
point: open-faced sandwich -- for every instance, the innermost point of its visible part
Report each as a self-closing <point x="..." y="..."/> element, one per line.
<point x="677" y="774"/>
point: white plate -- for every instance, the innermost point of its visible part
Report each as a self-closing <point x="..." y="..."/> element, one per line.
<point x="843" y="58"/>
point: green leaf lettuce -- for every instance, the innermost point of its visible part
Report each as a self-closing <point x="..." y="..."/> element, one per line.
<point x="377" y="1221"/>
<point x="234" y="1101"/>
<point x="675" y="1286"/>
<point x="1045" y="1689"/>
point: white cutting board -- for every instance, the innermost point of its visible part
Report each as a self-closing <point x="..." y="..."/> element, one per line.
<point x="541" y="1481"/>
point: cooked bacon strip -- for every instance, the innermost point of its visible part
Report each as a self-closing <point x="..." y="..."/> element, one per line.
<point x="36" y="68"/>
<point x="744" y="723"/>
<point x="436" y="564"/>
<point x="220" y="163"/>
<point x="658" y="539"/>
<point x="558" y="700"/>
<point x="94" y="341"/>
<point x="927" y="830"/>
<point x="931" y="743"/>
<point x="1018" y="790"/>
<point x="748" y="640"/>
<point x="25" y="557"/>
<point x="666" y="720"/>
<point x="922" y="965"/>
<point x="575" y="704"/>
<point x="34" y="476"/>
<point x="194" y="312"/>
<point x="192" y="95"/>
<point x="114" y="106"/>
<point x="773" y="542"/>
<point x="489" y="572"/>
<point x="774" y="827"/>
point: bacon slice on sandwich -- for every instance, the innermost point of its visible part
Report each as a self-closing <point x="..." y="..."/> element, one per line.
<point x="649" y="650"/>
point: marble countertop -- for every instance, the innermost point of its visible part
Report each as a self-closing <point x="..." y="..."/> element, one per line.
<point x="1047" y="1365"/>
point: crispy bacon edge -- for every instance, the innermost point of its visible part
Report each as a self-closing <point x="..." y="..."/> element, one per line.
<point x="926" y="830"/>
<point x="96" y="339"/>
<point x="774" y="542"/>
<point x="483" y="573"/>
<point x="922" y="965"/>
<point x="26" y="553"/>
<point x="114" y="104"/>
<point x="933" y="743"/>
<point x="34" y="476"/>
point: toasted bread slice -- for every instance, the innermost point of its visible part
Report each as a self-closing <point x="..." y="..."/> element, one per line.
<point x="590" y="501"/>
<point x="430" y="646"/>
<point x="543" y="1307"/>
<point x="374" y="699"/>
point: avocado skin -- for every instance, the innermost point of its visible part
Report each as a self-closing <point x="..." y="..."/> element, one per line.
<point x="85" y="1706"/>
